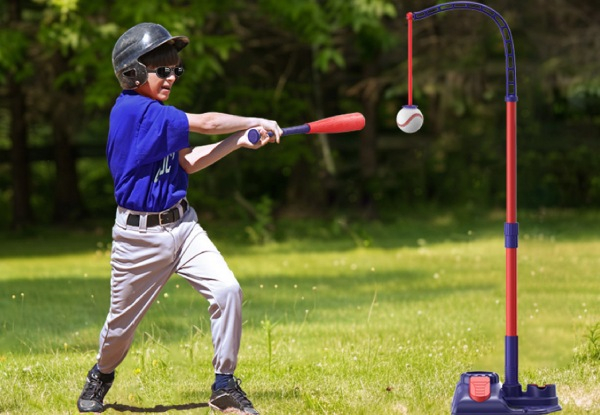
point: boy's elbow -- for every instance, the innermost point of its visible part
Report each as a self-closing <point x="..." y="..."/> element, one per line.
<point x="187" y="168"/>
<point x="209" y="125"/>
<point x="184" y="163"/>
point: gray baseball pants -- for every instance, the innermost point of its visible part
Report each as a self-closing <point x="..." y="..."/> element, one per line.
<point x="143" y="259"/>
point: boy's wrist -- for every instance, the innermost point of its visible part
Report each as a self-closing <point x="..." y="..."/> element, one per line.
<point x="253" y="122"/>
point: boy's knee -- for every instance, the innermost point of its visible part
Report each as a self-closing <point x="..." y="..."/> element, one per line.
<point x="227" y="295"/>
<point x="231" y="291"/>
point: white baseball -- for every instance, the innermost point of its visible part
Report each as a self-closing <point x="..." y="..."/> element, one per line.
<point x="409" y="119"/>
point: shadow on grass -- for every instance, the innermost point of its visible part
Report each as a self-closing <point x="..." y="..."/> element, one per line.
<point x="156" y="409"/>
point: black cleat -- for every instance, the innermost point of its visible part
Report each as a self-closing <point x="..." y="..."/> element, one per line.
<point x="232" y="400"/>
<point x="95" y="389"/>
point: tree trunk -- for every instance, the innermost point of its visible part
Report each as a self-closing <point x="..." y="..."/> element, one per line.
<point x="327" y="174"/>
<point x="21" y="176"/>
<point x="68" y="204"/>
<point x="368" y="147"/>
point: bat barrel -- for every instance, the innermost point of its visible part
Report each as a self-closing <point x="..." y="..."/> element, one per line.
<point x="338" y="124"/>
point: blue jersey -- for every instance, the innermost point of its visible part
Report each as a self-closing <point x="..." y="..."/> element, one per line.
<point x="144" y="138"/>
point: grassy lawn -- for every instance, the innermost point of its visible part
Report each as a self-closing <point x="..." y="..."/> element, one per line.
<point x="339" y="317"/>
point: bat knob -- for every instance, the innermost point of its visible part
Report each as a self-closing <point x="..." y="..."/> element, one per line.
<point x="253" y="136"/>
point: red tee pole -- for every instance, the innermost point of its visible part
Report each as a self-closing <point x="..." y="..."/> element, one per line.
<point x="409" y="17"/>
<point x="511" y="217"/>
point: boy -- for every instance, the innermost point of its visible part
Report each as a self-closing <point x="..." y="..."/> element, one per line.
<point x="156" y="232"/>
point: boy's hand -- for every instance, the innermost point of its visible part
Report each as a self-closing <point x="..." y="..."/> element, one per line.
<point x="270" y="126"/>
<point x="265" y="138"/>
<point x="268" y="131"/>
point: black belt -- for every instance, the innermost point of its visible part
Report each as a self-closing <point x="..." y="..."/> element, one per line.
<point x="162" y="218"/>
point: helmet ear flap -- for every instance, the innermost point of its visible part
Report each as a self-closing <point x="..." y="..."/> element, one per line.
<point x="133" y="76"/>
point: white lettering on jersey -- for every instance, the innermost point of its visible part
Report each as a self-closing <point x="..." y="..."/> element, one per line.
<point x="165" y="168"/>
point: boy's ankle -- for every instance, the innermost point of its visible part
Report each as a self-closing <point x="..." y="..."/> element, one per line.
<point x="221" y="381"/>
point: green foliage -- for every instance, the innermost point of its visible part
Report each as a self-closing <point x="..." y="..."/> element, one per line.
<point x="261" y="230"/>
<point x="590" y="351"/>
<point x="13" y="55"/>
<point x="594" y="341"/>
<point x="268" y="327"/>
<point x="319" y="23"/>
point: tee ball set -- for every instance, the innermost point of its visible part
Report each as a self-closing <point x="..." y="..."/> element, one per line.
<point x="481" y="392"/>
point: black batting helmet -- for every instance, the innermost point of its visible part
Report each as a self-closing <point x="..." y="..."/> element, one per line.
<point x="136" y="42"/>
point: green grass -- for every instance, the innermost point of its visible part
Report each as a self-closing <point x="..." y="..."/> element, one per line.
<point x="339" y="317"/>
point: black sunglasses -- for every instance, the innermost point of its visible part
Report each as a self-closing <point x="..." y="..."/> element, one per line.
<point x="164" y="71"/>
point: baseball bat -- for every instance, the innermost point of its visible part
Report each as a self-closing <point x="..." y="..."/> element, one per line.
<point x="342" y="123"/>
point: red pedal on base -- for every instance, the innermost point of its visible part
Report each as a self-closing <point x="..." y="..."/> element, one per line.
<point x="479" y="388"/>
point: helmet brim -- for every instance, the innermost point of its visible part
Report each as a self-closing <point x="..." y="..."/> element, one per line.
<point x="179" y="42"/>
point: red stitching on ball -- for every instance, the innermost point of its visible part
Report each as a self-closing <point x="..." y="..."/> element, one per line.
<point x="412" y="117"/>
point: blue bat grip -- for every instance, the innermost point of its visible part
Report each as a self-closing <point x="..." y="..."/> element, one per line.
<point x="254" y="135"/>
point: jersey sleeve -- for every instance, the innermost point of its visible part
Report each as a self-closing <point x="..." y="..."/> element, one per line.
<point x="163" y="130"/>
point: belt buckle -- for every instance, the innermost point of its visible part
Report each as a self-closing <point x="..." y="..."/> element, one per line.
<point x="164" y="218"/>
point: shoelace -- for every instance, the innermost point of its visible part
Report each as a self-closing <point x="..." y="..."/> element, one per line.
<point x="239" y="394"/>
<point x="93" y="388"/>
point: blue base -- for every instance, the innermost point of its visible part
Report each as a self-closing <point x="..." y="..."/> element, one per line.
<point x="504" y="400"/>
